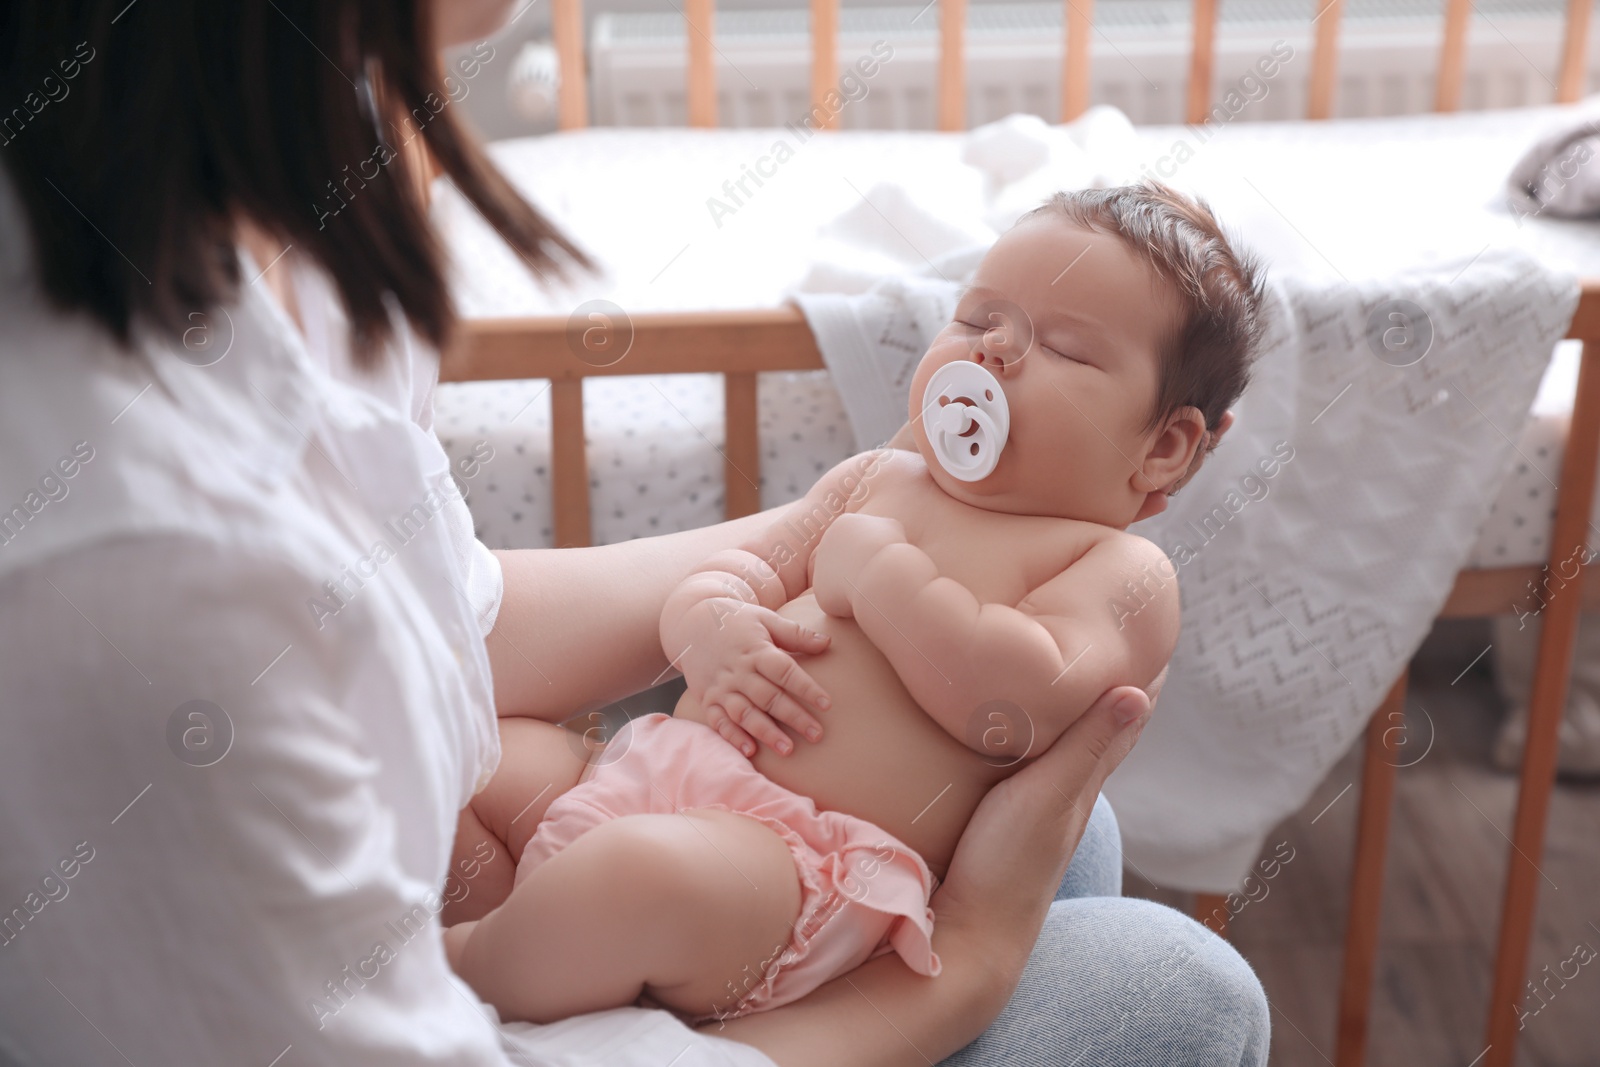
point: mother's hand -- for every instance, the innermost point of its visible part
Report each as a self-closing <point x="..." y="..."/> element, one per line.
<point x="1016" y="848"/>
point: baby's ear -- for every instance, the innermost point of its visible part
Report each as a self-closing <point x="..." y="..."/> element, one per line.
<point x="1175" y="452"/>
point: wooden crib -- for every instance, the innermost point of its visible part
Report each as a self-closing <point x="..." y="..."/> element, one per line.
<point x="738" y="345"/>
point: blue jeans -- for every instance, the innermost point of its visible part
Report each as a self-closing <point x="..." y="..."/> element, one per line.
<point x="1115" y="982"/>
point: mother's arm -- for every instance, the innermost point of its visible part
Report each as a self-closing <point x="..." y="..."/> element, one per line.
<point x="579" y="627"/>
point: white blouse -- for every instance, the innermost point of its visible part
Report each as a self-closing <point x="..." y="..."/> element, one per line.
<point x="243" y="695"/>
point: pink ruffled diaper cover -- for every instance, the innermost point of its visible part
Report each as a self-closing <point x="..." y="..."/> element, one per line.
<point x="863" y="892"/>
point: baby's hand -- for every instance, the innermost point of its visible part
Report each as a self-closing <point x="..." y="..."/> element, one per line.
<point x="836" y="563"/>
<point x="736" y="664"/>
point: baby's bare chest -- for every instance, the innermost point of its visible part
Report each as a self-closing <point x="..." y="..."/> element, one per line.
<point x="999" y="557"/>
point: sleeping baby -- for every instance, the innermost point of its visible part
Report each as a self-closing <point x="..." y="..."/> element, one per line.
<point x="920" y="625"/>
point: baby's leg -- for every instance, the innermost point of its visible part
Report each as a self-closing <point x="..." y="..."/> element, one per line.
<point x="538" y="762"/>
<point x="686" y="908"/>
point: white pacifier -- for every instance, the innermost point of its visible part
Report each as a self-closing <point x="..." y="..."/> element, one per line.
<point x="965" y="416"/>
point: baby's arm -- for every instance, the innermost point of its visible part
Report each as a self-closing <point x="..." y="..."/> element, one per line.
<point x="1049" y="657"/>
<point x="720" y="626"/>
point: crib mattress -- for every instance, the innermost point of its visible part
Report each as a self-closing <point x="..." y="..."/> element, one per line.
<point x="1346" y="198"/>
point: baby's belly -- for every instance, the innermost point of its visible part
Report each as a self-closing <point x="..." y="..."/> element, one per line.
<point x="881" y="758"/>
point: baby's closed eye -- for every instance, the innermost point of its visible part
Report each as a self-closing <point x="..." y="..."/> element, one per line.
<point x="1068" y="354"/>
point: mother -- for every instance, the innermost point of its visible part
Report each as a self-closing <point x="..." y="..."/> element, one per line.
<point x="248" y="642"/>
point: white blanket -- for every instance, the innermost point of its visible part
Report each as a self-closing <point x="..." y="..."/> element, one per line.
<point x="1304" y="592"/>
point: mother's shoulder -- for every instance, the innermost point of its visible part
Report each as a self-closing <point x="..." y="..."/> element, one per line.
<point x="98" y="438"/>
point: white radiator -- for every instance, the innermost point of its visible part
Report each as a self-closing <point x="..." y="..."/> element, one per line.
<point x="1388" y="58"/>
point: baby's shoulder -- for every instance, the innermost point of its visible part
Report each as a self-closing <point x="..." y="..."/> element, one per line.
<point x="1127" y="572"/>
<point x="868" y="472"/>
<point x="1091" y="554"/>
<point x="1114" y="549"/>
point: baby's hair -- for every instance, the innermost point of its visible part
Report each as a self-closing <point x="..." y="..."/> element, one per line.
<point x="1206" y="363"/>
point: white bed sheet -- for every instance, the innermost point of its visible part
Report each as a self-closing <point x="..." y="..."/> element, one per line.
<point x="1358" y="198"/>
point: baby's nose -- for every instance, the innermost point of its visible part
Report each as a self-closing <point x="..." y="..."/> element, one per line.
<point x="1007" y="335"/>
<point x="1000" y="349"/>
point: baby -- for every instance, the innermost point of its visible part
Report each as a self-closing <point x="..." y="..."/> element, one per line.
<point x="955" y="607"/>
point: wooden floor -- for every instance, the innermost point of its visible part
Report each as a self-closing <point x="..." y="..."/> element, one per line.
<point x="1446" y="865"/>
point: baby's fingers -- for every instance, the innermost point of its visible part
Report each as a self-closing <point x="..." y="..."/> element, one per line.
<point x="797" y="688"/>
<point x="730" y="730"/>
<point x="757" y="723"/>
<point x="786" y="633"/>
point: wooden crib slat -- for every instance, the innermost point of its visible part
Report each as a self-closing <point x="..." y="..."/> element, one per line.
<point x="1453" y="55"/>
<point x="824" y="59"/>
<point x="572" y="93"/>
<point x="1202" y="60"/>
<point x="1378" y="768"/>
<point x="952" y="65"/>
<point x="1078" y="19"/>
<point x="699" y="19"/>
<point x="569" y="464"/>
<point x="1574" y="53"/>
<point x="741" y="446"/>
<point x="1325" y="59"/>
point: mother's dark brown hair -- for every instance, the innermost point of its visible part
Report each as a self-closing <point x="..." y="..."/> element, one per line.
<point x="139" y="134"/>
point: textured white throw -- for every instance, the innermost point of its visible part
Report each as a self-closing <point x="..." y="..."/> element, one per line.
<point x="1306" y="590"/>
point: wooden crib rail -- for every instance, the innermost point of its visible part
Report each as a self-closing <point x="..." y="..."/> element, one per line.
<point x="1078" y="29"/>
<point x="673" y="342"/>
<point x="736" y="344"/>
<point x="739" y="345"/>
